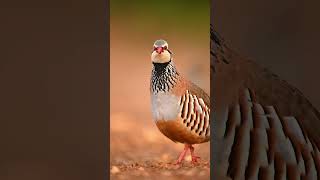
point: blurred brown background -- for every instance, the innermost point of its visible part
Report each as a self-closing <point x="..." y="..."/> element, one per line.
<point x="281" y="35"/>
<point x="138" y="149"/>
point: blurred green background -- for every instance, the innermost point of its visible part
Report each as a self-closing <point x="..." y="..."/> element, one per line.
<point x="163" y="17"/>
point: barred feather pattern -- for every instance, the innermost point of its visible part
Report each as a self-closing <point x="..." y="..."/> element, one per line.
<point x="195" y="114"/>
<point x="256" y="142"/>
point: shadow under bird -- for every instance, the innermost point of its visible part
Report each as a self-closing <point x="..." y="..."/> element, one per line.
<point x="264" y="128"/>
<point x="180" y="108"/>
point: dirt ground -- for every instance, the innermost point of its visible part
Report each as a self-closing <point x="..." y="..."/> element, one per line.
<point x="138" y="149"/>
<point x="144" y="153"/>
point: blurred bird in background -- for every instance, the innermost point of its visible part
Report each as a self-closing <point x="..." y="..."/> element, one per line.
<point x="263" y="127"/>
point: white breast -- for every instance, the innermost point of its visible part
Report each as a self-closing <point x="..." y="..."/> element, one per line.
<point x="165" y="106"/>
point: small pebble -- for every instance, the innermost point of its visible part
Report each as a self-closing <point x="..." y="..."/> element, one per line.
<point x="115" y="170"/>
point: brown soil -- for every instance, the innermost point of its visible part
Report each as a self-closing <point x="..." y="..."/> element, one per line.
<point x="140" y="151"/>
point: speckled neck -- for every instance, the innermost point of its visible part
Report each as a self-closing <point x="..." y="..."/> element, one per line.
<point x="164" y="77"/>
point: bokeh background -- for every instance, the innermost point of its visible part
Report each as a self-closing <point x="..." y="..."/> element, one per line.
<point x="281" y="35"/>
<point x="138" y="149"/>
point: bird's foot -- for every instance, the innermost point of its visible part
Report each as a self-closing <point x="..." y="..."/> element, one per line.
<point x="178" y="164"/>
<point x="182" y="155"/>
<point x="194" y="159"/>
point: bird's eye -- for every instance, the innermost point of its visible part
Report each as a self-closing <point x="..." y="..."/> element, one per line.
<point x="165" y="48"/>
<point x="154" y="48"/>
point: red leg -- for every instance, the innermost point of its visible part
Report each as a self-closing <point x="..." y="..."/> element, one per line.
<point x="194" y="157"/>
<point x="183" y="154"/>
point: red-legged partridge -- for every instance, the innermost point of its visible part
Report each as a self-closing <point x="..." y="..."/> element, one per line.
<point x="180" y="108"/>
<point x="267" y="131"/>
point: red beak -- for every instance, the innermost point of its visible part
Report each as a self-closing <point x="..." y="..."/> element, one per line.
<point x="159" y="50"/>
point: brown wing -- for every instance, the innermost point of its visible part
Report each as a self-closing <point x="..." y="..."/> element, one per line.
<point x="277" y="139"/>
<point x="197" y="91"/>
<point x="195" y="115"/>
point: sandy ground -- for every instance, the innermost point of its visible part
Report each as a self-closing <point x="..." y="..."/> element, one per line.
<point x="138" y="149"/>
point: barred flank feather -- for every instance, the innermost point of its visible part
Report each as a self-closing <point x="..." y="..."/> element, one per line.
<point x="195" y="115"/>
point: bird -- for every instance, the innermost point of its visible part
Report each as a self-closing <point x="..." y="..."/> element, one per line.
<point x="180" y="109"/>
<point x="264" y="128"/>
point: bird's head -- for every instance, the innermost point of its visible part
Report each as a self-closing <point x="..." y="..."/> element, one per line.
<point x="160" y="53"/>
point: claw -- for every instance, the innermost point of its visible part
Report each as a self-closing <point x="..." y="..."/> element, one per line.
<point x="178" y="163"/>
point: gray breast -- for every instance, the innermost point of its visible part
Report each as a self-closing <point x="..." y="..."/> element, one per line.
<point x="165" y="106"/>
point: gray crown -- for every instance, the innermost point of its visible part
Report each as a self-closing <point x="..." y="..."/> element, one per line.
<point x="160" y="43"/>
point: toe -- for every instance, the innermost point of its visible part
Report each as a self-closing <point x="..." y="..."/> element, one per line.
<point x="195" y="159"/>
